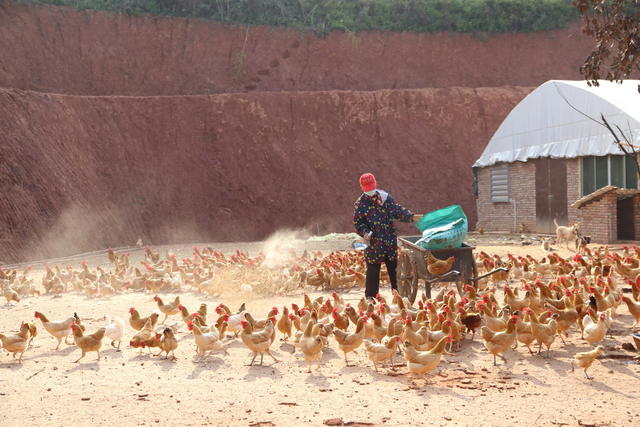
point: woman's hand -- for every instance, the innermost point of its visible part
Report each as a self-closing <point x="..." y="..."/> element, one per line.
<point x="367" y="236"/>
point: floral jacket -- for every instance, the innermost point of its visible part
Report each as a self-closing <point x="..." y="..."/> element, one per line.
<point x="370" y="216"/>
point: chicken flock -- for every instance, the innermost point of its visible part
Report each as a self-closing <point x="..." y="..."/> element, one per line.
<point x="542" y="302"/>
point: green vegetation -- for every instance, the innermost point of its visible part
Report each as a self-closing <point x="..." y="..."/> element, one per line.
<point x="492" y="16"/>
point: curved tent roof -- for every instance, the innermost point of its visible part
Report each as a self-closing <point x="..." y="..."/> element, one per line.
<point x="546" y="123"/>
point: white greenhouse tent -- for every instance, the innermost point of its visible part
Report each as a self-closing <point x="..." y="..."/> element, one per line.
<point x="552" y="161"/>
<point x="549" y="122"/>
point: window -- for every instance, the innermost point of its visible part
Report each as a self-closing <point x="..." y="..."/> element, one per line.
<point x="598" y="172"/>
<point x="500" y="183"/>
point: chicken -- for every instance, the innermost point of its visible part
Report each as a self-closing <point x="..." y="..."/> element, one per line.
<point x="350" y="342"/>
<point x="380" y="353"/>
<point x="167" y="309"/>
<point x="87" y="343"/>
<point x="188" y="317"/>
<point x="284" y="324"/>
<point x="10" y="295"/>
<point x="114" y="329"/>
<point x="408" y="334"/>
<point x="33" y="332"/>
<point x="515" y="303"/>
<point x="544" y="333"/>
<point x="500" y="342"/>
<point x="422" y="362"/>
<point x="205" y="342"/>
<point x="258" y="342"/>
<point x="168" y="343"/>
<point x="144" y="337"/>
<point x="586" y="358"/>
<point x="634" y="309"/>
<point x="523" y="331"/>
<point x="235" y="320"/>
<point x="16" y="343"/>
<point x="471" y="321"/>
<point x="311" y="346"/>
<point x="566" y="318"/>
<point x="138" y="322"/>
<point x="438" y="267"/>
<point x="341" y="321"/>
<point x="58" y="329"/>
<point x="594" y="332"/>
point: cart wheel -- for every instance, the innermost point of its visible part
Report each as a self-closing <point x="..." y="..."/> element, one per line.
<point x="460" y="286"/>
<point x="414" y="289"/>
<point x="404" y="274"/>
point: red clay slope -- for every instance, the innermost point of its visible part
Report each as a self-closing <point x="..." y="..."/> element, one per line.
<point x="53" y="49"/>
<point x="79" y="173"/>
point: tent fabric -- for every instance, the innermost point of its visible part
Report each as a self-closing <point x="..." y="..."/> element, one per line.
<point x="546" y="123"/>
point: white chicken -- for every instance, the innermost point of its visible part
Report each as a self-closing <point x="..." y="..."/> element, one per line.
<point x="114" y="329"/>
<point x="235" y="320"/>
<point x="205" y="342"/>
<point x="595" y="332"/>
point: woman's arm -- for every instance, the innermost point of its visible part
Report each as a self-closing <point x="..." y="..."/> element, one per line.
<point x="398" y="212"/>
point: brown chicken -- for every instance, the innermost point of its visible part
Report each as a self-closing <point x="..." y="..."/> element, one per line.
<point x="33" y="332"/>
<point x="285" y="324"/>
<point x="340" y="321"/>
<point x="16" y="343"/>
<point x="168" y="343"/>
<point x="167" y="309"/>
<point x="471" y="321"/>
<point x="138" y="322"/>
<point x="87" y="343"/>
<point x="145" y="335"/>
<point x="350" y="342"/>
<point x="438" y="267"/>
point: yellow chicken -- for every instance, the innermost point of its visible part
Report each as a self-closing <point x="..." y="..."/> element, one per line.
<point x="16" y="343"/>
<point x="499" y="342"/>
<point x="311" y="346"/>
<point x="422" y="362"/>
<point x="381" y="353"/>
<point x="585" y="359"/>
<point x="545" y="334"/>
<point x="350" y="342"/>
<point x="258" y="342"/>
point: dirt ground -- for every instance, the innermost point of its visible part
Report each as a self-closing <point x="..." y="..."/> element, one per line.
<point x="139" y="389"/>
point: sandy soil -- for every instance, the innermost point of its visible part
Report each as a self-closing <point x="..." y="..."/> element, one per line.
<point x="129" y="388"/>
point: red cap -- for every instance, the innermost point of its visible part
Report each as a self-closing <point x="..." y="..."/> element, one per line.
<point x="368" y="182"/>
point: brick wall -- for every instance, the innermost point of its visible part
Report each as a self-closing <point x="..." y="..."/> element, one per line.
<point x="574" y="189"/>
<point x="599" y="219"/>
<point x="522" y="175"/>
<point x="500" y="216"/>
<point x="636" y="215"/>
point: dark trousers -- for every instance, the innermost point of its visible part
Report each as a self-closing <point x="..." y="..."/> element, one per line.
<point x="372" y="283"/>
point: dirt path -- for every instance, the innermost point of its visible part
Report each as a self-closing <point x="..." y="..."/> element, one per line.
<point x="129" y="388"/>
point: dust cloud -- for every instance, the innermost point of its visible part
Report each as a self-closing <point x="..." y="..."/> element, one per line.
<point x="283" y="246"/>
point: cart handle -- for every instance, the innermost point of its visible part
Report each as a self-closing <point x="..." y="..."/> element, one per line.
<point x="475" y="279"/>
<point x="443" y="276"/>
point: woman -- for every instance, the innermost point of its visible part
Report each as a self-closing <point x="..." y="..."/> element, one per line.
<point x="373" y="218"/>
